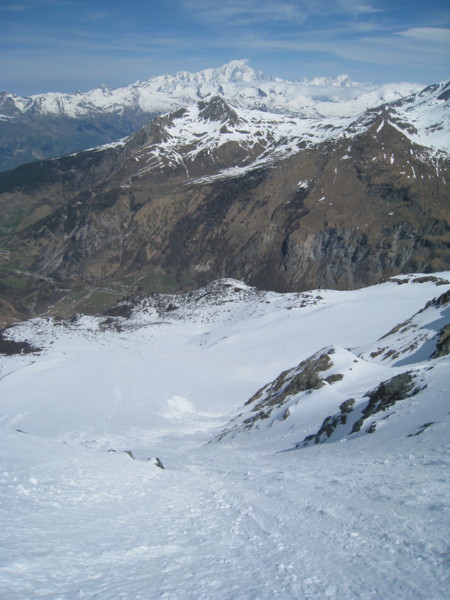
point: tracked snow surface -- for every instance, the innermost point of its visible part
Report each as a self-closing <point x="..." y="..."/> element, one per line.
<point x="331" y="481"/>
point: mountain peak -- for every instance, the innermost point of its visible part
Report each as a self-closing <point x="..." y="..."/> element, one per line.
<point x="239" y="71"/>
<point x="235" y="71"/>
<point x="217" y="109"/>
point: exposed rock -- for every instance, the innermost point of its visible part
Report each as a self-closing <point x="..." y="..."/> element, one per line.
<point x="441" y="300"/>
<point x="122" y="309"/>
<point x="156" y="461"/>
<point x="334" y="378"/>
<point x="267" y="402"/>
<point x="347" y="406"/>
<point x="443" y="343"/>
<point x="386" y="395"/>
<point x="381" y="399"/>
<point x="329" y="425"/>
<point x="10" y="347"/>
<point x="421" y="429"/>
<point x="306" y="378"/>
<point x="425" y="335"/>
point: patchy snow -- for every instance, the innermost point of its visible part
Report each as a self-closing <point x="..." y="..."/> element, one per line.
<point x="304" y="184"/>
<point x="260" y="138"/>
<point x="116" y="144"/>
<point x="264" y="137"/>
<point x="358" y="518"/>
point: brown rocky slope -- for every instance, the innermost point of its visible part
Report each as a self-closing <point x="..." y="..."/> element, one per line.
<point x="344" y="212"/>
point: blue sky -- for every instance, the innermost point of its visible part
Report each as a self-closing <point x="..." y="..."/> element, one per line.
<point x="65" y="45"/>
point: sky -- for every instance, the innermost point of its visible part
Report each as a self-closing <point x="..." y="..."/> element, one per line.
<point x="70" y="45"/>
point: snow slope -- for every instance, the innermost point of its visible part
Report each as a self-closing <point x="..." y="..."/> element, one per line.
<point x="79" y="518"/>
<point x="425" y="117"/>
<point x="340" y="394"/>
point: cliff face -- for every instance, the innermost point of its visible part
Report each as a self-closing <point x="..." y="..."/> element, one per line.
<point x="361" y="205"/>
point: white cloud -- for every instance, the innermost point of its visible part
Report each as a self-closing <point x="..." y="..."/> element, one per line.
<point x="438" y="35"/>
<point x="356" y="7"/>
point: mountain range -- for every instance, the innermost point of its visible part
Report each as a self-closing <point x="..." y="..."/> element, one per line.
<point x="53" y="124"/>
<point x="213" y="190"/>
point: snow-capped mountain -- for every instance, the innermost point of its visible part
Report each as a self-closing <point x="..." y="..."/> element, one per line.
<point x="88" y="401"/>
<point x="238" y="83"/>
<point x="424" y="117"/>
<point x="212" y="134"/>
<point x="52" y="124"/>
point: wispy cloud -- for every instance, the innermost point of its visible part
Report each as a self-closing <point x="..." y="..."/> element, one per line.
<point x="13" y="8"/>
<point x="435" y="35"/>
<point x="425" y="44"/>
<point x="245" y="12"/>
<point x="36" y="4"/>
<point x="358" y="8"/>
<point x="382" y="50"/>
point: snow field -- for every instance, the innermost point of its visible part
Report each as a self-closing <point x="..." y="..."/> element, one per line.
<point x="361" y="518"/>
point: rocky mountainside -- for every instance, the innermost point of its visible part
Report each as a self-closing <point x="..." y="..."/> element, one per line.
<point x="54" y="124"/>
<point x="212" y="190"/>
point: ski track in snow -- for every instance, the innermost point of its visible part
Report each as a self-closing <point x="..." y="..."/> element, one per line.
<point x="253" y="526"/>
<point x="364" y="519"/>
